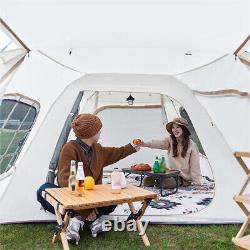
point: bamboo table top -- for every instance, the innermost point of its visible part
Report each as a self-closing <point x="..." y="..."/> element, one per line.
<point x="99" y="197"/>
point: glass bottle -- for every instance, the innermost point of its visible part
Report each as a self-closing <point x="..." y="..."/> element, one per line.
<point x="156" y="166"/>
<point x="72" y="177"/>
<point x="163" y="167"/>
<point x="80" y="180"/>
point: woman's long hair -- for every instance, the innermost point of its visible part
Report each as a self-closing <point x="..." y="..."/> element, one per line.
<point x="185" y="142"/>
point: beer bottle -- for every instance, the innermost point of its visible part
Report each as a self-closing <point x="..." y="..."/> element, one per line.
<point x="80" y="180"/>
<point x="72" y="177"/>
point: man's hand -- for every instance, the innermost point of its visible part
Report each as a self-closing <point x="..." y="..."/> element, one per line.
<point x="137" y="144"/>
<point x="92" y="216"/>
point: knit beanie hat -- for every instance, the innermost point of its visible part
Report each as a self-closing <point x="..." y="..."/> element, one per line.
<point x="86" y="125"/>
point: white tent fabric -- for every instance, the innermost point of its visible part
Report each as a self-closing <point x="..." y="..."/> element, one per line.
<point x="130" y="47"/>
<point x="10" y="55"/>
<point x="232" y="117"/>
<point x="37" y="73"/>
<point x="213" y="77"/>
<point x="133" y="60"/>
<point x="225" y="73"/>
<point x="32" y="164"/>
<point x="7" y="71"/>
<point x="208" y="29"/>
<point x="4" y="68"/>
<point x="126" y="23"/>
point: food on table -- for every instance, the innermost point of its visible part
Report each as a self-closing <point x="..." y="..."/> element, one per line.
<point x="141" y="167"/>
<point x="89" y="183"/>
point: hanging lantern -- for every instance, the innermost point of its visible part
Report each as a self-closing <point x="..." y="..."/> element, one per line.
<point x="130" y="99"/>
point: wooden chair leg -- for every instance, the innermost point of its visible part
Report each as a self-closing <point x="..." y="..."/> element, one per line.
<point x="142" y="233"/>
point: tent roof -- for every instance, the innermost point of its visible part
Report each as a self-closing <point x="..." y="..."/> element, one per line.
<point x="206" y="28"/>
<point x="132" y="60"/>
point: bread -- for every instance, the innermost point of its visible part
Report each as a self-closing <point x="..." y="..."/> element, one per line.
<point x="141" y="167"/>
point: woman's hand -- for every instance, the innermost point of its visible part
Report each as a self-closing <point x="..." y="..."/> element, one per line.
<point x="93" y="215"/>
<point x="138" y="143"/>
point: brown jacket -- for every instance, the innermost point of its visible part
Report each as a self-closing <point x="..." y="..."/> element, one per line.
<point x="101" y="157"/>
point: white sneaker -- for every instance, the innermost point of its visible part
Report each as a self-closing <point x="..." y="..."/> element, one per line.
<point x="73" y="230"/>
<point x="96" y="227"/>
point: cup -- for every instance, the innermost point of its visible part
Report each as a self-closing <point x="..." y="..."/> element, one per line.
<point x="116" y="182"/>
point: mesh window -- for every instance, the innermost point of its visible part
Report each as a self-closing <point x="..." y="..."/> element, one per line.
<point x="5" y="110"/>
<point x="17" y="116"/>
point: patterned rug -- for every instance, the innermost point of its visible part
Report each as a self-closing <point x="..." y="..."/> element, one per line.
<point x="187" y="200"/>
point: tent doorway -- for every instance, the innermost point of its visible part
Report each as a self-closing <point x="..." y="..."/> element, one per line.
<point x="146" y="119"/>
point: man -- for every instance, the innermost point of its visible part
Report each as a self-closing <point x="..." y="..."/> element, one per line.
<point x="87" y="128"/>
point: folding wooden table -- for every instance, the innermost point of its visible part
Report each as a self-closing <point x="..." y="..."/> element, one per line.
<point x="161" y="176"/>
<point x="65" y="203"/>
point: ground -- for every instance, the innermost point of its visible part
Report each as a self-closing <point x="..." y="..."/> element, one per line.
<point x="176" y="237"/>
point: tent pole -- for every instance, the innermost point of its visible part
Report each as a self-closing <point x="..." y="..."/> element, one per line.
<point x="223" y="92"/>
<point x="63" y="138"/>
<point x="6" y="26"/>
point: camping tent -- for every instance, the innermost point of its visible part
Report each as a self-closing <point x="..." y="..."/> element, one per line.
<point x="117" y="61"/>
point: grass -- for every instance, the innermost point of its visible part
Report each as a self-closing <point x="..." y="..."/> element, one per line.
<point x="176" y="237"/>
<point x="5" y="139"/>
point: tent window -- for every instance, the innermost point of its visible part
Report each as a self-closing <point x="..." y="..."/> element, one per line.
<point x="17" y="115"/>
<point x="194" y="136"/>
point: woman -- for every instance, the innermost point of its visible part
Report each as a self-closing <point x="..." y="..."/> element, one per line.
<point x="183" y="155"/>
